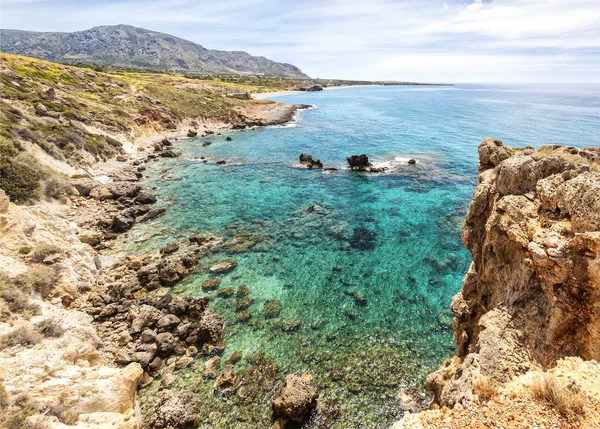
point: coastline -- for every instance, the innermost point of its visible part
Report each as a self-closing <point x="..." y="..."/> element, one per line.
<point x="95" y="337"/>
<point x="267" y="95"/>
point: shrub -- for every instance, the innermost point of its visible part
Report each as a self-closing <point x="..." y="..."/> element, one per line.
<point x="50" y="328"/>
<point x="485" y="388"/>
<point x="17" y="419"/>
<point x="39" y="278"/>
<point x="43" y="251"/>
<point x="3" y="396"/>
<point x="23" y="336"/>
<point x="20" y="178"/>
<point x="16" y="297"/>
<point x="549" y="389"/>
<point x="25" y="250"/>
<point x="57" y="188"/>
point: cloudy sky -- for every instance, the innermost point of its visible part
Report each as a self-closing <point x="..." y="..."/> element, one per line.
<point x="426" y="40"/>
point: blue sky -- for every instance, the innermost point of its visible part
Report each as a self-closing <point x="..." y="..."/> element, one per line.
<point x="435" y="41"/>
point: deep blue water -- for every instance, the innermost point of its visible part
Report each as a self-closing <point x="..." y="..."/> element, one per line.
<point x="367" y="275"/>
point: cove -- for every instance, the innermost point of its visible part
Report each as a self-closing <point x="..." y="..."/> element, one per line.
<point x="363" y="265"/>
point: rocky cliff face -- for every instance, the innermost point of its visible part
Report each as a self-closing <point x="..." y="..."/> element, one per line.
<point x="127" y="46"/>
<point x="532" y="293"/>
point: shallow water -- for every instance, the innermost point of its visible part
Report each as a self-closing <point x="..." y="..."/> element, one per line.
<point x="365" y="277"/>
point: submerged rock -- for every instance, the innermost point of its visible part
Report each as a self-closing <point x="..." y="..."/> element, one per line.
<point x="223" y="267"/>
<point x="175" y="410"/>
<point x="297" y="398"/>
<point x="211" y="284"/>
<point x="272" y="308"/>
<point x="363" y="239"/>
<point x="226" y="381"/>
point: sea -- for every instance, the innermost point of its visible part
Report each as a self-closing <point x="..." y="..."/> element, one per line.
<point x="349" y="274"/>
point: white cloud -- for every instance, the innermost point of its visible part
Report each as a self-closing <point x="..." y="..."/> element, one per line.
<point x="378" y="39"/>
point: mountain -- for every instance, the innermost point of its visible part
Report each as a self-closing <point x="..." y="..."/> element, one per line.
<point x="133" y="47"/>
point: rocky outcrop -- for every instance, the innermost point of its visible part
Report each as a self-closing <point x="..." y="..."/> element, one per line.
<point x="309" y="162"/>
<point x="140" y="321"/>
<point x="297" y="398"/>
<point x="532" y="293"/>
<point x="361" y="163"/>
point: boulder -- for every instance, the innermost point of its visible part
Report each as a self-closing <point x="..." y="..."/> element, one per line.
<point x="169" y="248"/>
<point x="168" y="322"/>
<point x="412" y="161"/>
<point x="49" y="94"/>
<point x="211" y="328"/>
<point x="305" y="158"/>
<point x="84" y="185"/>
<point x="145" y="197"/>
<point x="171" y="270"/>
<point x="192" y="133"/>
<point x="358" y="162"/>
<point x="168" y="154"/>
<point x="211" y="367"/>
<point x="124" y="189"/>
<point x="226" y="381"/>
<point x="297" y="398"/>
<point x="122" y="223"/>
<point x="492" y="152"/>
<point x="100" y="193"/>
<point x="175" y="410"/>
<point x="91" y="237"/>
<point x="228" y="138"/>
<point x="153" y="214"/>
<point x="142" y="317"/>
<point x="211" y="284"/>
<point x="206" y="144"/>
<point x="223" y="267"/>
<point x="41" y="110"/>
<point x="166" y="343"/>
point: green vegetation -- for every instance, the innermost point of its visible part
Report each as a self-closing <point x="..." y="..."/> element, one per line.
<point x="25" y="250"/>
<point x="15" y="416"/>
<point x="23" y="336"/>
<point x="50" y="328"/>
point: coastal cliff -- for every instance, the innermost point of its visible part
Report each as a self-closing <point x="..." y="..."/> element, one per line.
<point x="528" y="310"/>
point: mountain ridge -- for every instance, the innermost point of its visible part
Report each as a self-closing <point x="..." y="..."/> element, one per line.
<point x="134" y="47"/>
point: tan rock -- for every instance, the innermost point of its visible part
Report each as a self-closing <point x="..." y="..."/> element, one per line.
<point x="4" y="201"/>
<point x="297" y="398"/>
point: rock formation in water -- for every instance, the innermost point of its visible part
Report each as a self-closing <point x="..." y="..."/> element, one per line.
<point x="532" y="294"/>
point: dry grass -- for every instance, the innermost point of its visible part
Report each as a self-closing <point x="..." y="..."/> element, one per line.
<point x="485" y="388"/>
<point x="553" y="391"/>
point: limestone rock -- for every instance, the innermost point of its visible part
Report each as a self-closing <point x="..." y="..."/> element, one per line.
<point x="528" y="299"/>
<point x="297" y="398"/>
<point x="84" y="185"/>
<point x="223" y="267"/>
<point x="580" y="199"/>
<point x="492" y="152"/>
<point x="4" y="201"/>
<point x="226" y="381"/>
<point x="175" y="410"/>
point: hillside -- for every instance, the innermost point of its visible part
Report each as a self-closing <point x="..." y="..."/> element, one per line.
<point x="58" y="120"/>
<point x="132" y="47"/>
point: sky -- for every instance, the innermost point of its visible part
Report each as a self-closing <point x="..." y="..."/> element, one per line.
<point x="426" y="41"/>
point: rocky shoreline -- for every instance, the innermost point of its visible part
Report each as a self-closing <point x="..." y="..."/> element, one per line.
<point x="128" y="326"/>
<point x="526" y="333"/>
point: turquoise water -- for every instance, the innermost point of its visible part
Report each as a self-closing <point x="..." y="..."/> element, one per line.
<point x="365" y="277"/>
